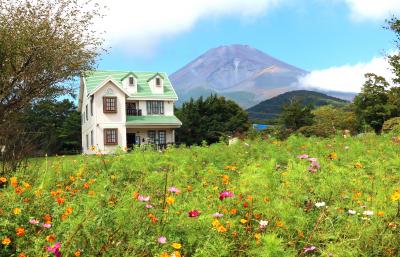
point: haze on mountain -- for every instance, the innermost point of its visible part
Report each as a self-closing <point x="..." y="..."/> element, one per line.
<point x="238" y="72"/>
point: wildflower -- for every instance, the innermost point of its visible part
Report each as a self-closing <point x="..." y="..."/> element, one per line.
<point x="217" y="215"/>
<point x="55" y="249"/>
<point x="46" y="225"/>
<point x="215" y="223"/>
<point x="170" y="200"/>
<point x="176" y="246"/>
<point x="26" y="185"/>
<point x="47" y="218"/>
<point x="135" y="195"/>
<point x="86" y="186"/>
<point x="279" y="223"/>
<point x="33" y="221"/>
<point x="148" y="206"/>
<point x="189" y="188"/>
<point x="164" y="254"/>
<point x="162" y="240"/>
<point x="20" y="231"/>
<point x="395" y="196"/>
<point x="174" y="190"/>
<point x="142" y="198"/>
<point x="352" y="212"/>
<point x="243" y="221"/>
<point x="17" y="211"/>
<point x="380" y="213"/>
<point x="225" y="179"/>
<point x="21" y="255"/>
<point x="13" y="181"/>
<point x="332" y="156"/>
<point x="314" y="165"/>
<point x="346" y="147"/>
<point x="233" y="211"/>
<point x="77" y="253"/>
<point x="320" y="204"/>
<point x="302" y="156"/>
<point x="263" y="223"/>
<point x="176" y="254"/>
<point x="221" y="229"/>
<point x="309" y="249"/>
<point x="60" y="200"/>
<point x="68" y="211"/>
<point x="225" y="194"/>
<point x="257" y="236"/>
<point x="193" y="213"/>
<point x="50" y="238"/>
<point x="368" y="213"/>
<point x="358" y="165"/>
<point x="6" y="241"/>
<point x="3" y="179"/>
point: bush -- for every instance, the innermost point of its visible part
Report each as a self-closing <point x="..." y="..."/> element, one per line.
<point x="391" y="125"/>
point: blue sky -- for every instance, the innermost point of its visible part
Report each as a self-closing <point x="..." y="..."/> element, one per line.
<point x="325" y="36"/>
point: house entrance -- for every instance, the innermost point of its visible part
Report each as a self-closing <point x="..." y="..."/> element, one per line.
<point x="132" y="139"/>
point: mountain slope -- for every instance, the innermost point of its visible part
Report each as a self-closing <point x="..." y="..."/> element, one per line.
<point x="239" y="72"/>
<point x="271" y="108"/>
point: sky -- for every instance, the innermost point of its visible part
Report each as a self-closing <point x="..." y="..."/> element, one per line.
<point x="337" y="41"/>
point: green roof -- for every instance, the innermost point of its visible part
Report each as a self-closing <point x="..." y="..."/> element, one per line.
<point x="152" y="119"/>
<point x="94" y="78"/>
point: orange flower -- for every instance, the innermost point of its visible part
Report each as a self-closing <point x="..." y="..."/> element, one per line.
<point x="50" y="238"/>
<point x="279" y="224"/>
<point x="234" y="233"/>
<point x="6" y="241"/>
<point x="17" y="211"/>
<point x="21" y="255"/>
<point x="221" y="229"/>
<point x="20" y="231"/>
<point x="3" y="179"/>
<point x="77" y="253"/>
<point x="380" y="213"/>
<point x="72" y="178"/>
<point x="69" y="210"/>
<point x="233" y="211"/>
<point x="86" y="186"/>
<point x="13" y="181"/>
<point x="358" y="165"/>
<point x="60" y="200"/>
<point x="189" y="188"/>
<point x="47" y="218"/>
<point x="176" y="254"/>
<point x="170" y="200"/>
<point x="26" y="185"/>
<point x="164" y="254"/>
<point x="135" y="195"/>
<point x="19" y="190"/>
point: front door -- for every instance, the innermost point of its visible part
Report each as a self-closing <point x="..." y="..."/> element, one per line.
<point x="130" y="140"/>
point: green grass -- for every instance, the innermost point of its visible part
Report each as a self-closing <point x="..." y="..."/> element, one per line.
<point x="269" y="182"/>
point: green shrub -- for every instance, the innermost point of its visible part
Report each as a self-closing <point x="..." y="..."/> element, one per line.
<point x="391" y="125"/>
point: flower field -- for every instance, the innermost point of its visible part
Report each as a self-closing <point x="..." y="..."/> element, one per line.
<point x="300" y="197"/>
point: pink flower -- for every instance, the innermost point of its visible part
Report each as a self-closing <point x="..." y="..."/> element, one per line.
<point x="194" y="213"/>
<point x="55" y="249"/>
<point x="34" y="221"/>
<point x="309" y="249"/>
<point x="217" y="215"/>
<point x="162" y="240"/>
<point x="142" y="198"/>
<point x="225" y="194"/>
<point x="174" y="190"/>
<point x="148" y="206"/>
<point x="46" y="225"/>
<point x="312" y="159"/>
<point x="302" y="156"/>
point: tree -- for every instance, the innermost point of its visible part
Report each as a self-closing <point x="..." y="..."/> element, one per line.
<point x="43" y="45"/>
<point x="295" y="115"/>
<point x="373" y="104"/>
<point x="209" y="120"/>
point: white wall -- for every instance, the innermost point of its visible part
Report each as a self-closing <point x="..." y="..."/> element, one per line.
<point x="130" y="89"/>
<point x="156" y="89"/>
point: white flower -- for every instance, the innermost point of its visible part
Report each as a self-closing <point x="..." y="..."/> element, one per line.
<point x="368" y="213"/>
<point x="320" y="204"/>
<point x="352" y="212"/>
<point x="263" y="223"/>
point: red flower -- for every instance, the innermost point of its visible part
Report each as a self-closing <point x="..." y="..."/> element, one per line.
<point x="194" y="213"/>
<point x="246" y="204"/>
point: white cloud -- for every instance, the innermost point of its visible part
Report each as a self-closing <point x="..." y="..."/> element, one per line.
<point x="140" y="25"/>
<point x="373" y="9"/>
<point x="347" y="78"/>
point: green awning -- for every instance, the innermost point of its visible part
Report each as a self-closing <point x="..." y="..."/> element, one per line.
<point x="153" y="120"/>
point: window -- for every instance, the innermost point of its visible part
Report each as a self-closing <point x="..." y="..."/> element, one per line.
<point x="158" y="82"/>
<point x="83" y="118"/>
<point x="91" y="138"/>
<point x="87" y="118"/>
<point x="131" y="81"/>
<point x="91" y="105"/>
<point x="110" y="104"/>
<point x="152" y="136"/>
<point x="110" y="136"/>
<point x="87" y="141"/>
<point x="162" y="137"/>
<point x="155" y="107"/>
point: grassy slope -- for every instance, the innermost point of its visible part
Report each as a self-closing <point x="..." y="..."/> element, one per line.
<point x="269" y="179"/>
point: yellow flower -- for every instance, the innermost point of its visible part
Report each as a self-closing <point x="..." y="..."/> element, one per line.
<point x="170" y="200"/>
<point x="164" y="255"/>
<point x="176" y="254"/>
<point x="6" y="241"/>
<point x="333" y="156"/>
<point x="257" y="236"/>
<point x="358" y="165"/>
<point x="380" y="213"/>
<point x="396" y="195"/>
<point x="221" y="229"/>
<point x="17" y="211"/>
<point x="3" y="179"/>
<point x="279" y="223"/>
<point x="243" y="221"/>
<point x="13" y="181"/>
<point x="176" y="246"/>
<point x="68" y="211"/>
<point x="26" y="185"/>
<point x="50" y="238"/>
<point x="215" y="223"/>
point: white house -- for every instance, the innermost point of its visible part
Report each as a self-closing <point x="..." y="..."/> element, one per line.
<point x="122" y="109"/>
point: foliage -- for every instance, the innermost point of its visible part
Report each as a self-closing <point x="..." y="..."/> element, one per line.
<point x="391" y="125"/>
<point x="329" y="121"/>
<point x="296" y="115"/>
<point x="209" y="120"/>
<point x="373" y="104"/>
<point x="269" y="110"/>
<point x="123" y="205"/>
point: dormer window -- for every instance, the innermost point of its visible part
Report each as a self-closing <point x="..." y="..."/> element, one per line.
<point x="131" y="81"/>
<point x="158" y="82"/>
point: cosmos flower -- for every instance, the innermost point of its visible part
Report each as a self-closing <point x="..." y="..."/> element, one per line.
<point x="34" y="221"/>
<point x="193" y="213"/>
<point x="320" y="204"/>
<point x="309" y="249"/>
<point x="148" y="206"/>
<point x="55" y="249"/>
<point x="302" y="156"/>
<point x="368" y="213"/>
<point x="142" y="198"/>
<point x="217" y="215"/>
<point x="352" y="212"/>
<point x="46" y="225"/>
<point x="263" y="223"/>
<point x="174" y="190"/>
<point x="162" y="240"/>
<point x="225" y="194"/>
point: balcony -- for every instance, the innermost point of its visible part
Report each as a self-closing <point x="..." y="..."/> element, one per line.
<point x="133" y="112"/>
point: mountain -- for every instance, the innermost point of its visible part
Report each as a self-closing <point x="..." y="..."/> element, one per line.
<point x="238" y="72"/>
<point x="271" y="108"/>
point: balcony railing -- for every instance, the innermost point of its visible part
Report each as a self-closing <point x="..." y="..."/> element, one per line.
<point x="134" y="112"/>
